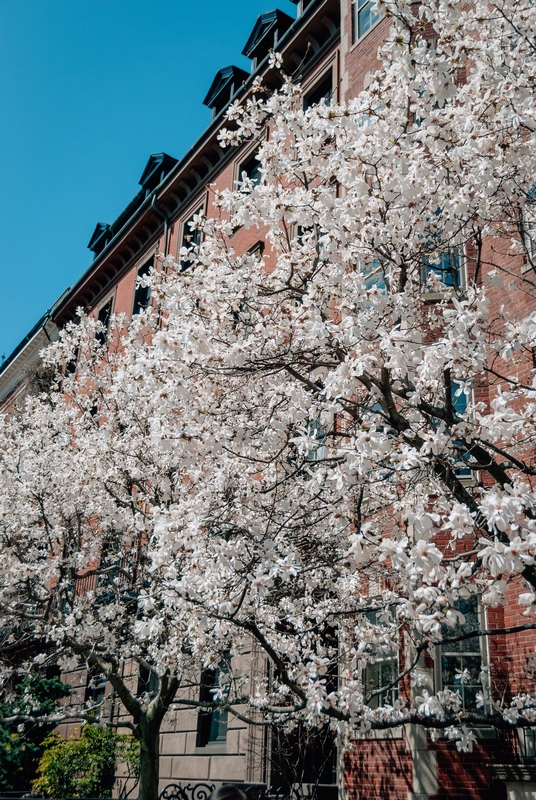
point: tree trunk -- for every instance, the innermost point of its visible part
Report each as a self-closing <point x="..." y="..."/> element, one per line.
<point x="149" y="732"/>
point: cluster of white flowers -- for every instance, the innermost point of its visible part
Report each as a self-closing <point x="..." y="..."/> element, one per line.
<point x="296" y="442"/>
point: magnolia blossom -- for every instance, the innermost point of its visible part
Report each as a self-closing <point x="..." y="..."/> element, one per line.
<point x="320" y="457"/>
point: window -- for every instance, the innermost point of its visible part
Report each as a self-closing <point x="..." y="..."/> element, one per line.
<point x="104" y="316"/>
<point x="459" y="404"/>
<point x="148" y="682"/>
<point x="191" y="236"/>
<point x="364" y="16"/>
<point x="251" y="168"/>
<point x="322" y="91"/>
<point x="447" y="264"/>
<point x="212" y="724"/>
<point x="529" y="226"/>
<point x="463" y="658"/>
<point x="375" y="275"/>
<point x="142" y="294"/>
<point x="382" y="669"/>
<point x="317" y="450"/>
<point x="95" y="690"/>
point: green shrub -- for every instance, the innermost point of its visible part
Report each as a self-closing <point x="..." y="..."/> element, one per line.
<point x="21" y="746"/>
<point x="84" y="766"/>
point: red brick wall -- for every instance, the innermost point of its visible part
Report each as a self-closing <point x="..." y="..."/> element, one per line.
<point x="467" y="776"/>
<point x="378" y="770"/>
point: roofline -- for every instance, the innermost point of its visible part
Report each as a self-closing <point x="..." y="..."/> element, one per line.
<point x="157" y="193"/>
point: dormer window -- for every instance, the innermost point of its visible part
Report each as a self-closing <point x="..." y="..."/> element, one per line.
<point x="268" y="30"/>
<point x="302" y="5"/>
<point x="156" y="169"/>
<point x="224" y="87"/>
<point x="101" y="236"/>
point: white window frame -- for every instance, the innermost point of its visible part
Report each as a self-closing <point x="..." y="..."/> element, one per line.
<point x="356" y="35"/>
<point x="528" y="226"/>
<point x="480" y="649"/>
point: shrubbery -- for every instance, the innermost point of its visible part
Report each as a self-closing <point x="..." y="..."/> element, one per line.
<point x="84" y="766"/>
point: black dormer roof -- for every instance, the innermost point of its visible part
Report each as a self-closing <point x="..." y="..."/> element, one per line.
<point x="267" y="31"/>
<point x="226" y="83"/>
<point x="101" y="236"/>
<point x="156" y="169"/>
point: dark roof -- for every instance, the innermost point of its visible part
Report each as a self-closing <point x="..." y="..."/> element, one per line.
<point x="225" y="84"/>
<point x="156" y="169"/>
<point x="263" y="36"/>
<point x="101" y="235"/>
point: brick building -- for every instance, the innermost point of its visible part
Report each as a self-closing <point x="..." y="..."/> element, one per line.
<point x="331" y="46"/>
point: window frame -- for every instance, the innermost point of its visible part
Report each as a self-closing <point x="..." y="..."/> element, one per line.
<point x="356" y="36"/>
<point x="482" y="652"/>
<point x="194" y="208"/>
<point x="207" y="719"/>
<point x="528" y="233"/>
<point x="247" y="155"/>
<point x="382" y="659"/>
<point x="102" y="336"/>
<point x="316" y="84"/>
<point x="147" y="265"/>
<point x="461" y="272"/>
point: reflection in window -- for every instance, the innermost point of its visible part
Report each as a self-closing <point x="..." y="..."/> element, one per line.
<point x="212" y="723"/>
<point x="364" y="16"/>
<point x="463" y="658"/>
<point x="251" y="168"/>
<point x="375" y="275"/>
<point x="529" y="225"/>
<point x="95" y="690"/>
<point x="317" y="449"/>
<point x="447" y="264"/>
<point x="459" y="405"/>
<point x="382" y="671"/>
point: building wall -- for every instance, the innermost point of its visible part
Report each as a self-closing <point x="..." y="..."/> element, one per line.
<point x="407" y="765"/>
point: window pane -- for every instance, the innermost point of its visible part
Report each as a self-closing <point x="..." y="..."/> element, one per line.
<point x="366" y="17"/>
<point x="190" y="237"/>
<point x="252" y="170"/>
<point x="142" y="294"/>
<point x="322" y="91"/>
<point x="447" y="265"/>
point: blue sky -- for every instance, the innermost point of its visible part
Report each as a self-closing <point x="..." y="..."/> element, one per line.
<point x="88" y="90"/>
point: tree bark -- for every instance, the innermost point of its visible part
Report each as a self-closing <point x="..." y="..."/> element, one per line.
<point x="149" y="735"/>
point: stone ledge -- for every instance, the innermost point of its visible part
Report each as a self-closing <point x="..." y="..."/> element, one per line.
<point x="510" y="773"/>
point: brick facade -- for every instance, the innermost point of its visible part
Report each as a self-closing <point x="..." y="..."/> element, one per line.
<point x="376" y="768"/>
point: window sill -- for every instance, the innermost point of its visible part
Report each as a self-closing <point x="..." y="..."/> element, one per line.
<point x="211" y="749"/>
<point x="390" y="733"/>
<point x="362" y="38"/>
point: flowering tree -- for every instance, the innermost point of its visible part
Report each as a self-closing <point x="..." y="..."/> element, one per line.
<point x="322" y="456"/>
